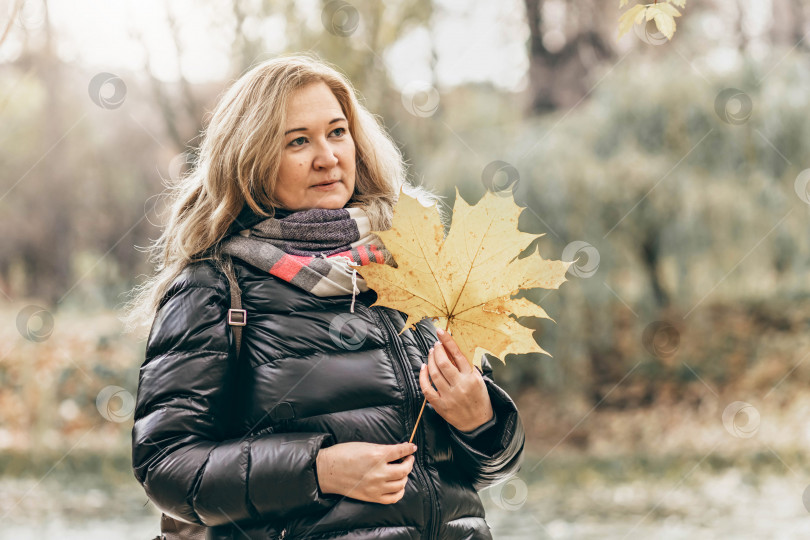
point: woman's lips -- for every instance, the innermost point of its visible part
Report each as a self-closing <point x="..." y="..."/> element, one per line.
<point x="327" y="186"/>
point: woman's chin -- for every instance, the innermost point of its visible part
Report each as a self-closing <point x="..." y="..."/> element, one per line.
<point x="329" y="201"/>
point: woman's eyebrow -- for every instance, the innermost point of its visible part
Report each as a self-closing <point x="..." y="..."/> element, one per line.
<point x="304" y="129"/>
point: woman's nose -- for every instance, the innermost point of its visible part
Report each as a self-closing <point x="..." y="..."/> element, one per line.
<point x="325" y="157"/>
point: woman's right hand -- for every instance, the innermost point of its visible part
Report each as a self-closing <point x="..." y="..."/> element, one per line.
<point x="365" y="471"/>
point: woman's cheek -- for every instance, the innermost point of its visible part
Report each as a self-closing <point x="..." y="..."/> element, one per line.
<point x="347" y="146"/>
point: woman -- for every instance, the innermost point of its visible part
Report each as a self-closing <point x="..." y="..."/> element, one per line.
<point x="303" y="433"/>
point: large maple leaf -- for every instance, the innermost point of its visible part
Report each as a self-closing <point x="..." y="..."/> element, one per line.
<point x="464" y="282"/>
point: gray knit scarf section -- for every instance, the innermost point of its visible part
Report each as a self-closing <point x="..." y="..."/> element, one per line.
<point x="317" y="250"/>
<point x="317" y="232"/>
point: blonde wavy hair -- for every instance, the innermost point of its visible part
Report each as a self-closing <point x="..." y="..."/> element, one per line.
<point x="238" y="162"/>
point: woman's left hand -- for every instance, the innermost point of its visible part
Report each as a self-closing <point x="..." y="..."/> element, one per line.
<point x="461" y="395"/>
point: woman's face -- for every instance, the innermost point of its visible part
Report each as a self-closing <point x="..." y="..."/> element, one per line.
<point x="318" y="148"/>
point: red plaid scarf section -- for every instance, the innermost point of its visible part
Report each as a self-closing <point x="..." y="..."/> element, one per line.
<point x="288" y="266"/>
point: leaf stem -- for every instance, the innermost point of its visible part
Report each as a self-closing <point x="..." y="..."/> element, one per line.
<point x="446" y="326"/>
<point x="417" y="420"/>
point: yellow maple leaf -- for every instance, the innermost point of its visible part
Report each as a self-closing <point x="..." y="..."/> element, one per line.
<point x="466" y="280"/>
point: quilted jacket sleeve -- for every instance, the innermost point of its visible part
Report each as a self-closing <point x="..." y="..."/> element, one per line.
<point x="494" y="451"/>
<point x="181" y="453"/>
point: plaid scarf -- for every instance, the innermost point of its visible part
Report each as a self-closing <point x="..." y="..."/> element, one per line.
<point x="317" y="250"/>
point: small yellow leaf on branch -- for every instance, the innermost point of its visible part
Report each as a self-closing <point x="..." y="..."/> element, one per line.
<point x="628" y="18"/>
<point x="663" y="14"/>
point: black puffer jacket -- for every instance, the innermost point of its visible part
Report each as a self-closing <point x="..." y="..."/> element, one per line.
<point x="231" y="443"/>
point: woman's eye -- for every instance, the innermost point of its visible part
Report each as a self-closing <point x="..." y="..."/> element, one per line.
<point x="301" y="140"/>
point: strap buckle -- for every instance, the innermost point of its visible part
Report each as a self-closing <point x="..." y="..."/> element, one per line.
<point x="237" y="317"/>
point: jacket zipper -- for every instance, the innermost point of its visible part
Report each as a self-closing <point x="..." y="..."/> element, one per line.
<point x="412" y="392"/>
<point x="424" y="341"/>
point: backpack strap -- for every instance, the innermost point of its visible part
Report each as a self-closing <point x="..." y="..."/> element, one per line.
<point x="237" y="317"/>
<point x="170" y="528"/>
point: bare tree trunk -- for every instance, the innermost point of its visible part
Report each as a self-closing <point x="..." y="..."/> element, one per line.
<point x="56" y="255"/>
<point x="166" y="102"/>
<point x="789" y="19"/>
<point x="189" y="101"/>
<point x="559" y="79"/>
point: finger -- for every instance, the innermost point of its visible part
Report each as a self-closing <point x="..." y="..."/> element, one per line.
<point x="391" y="498"/>
<point x="403" y="463"/>
<point x="445" y="365"/>
<point x="427" y="388"/>
<point x="400" y="450"/>
<point x="454" y="352"/>
<point x="428" y="381"/>
<point x="395" y="485"/>
<point x="399" y="470"/>
<point x="442" y="385"/>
